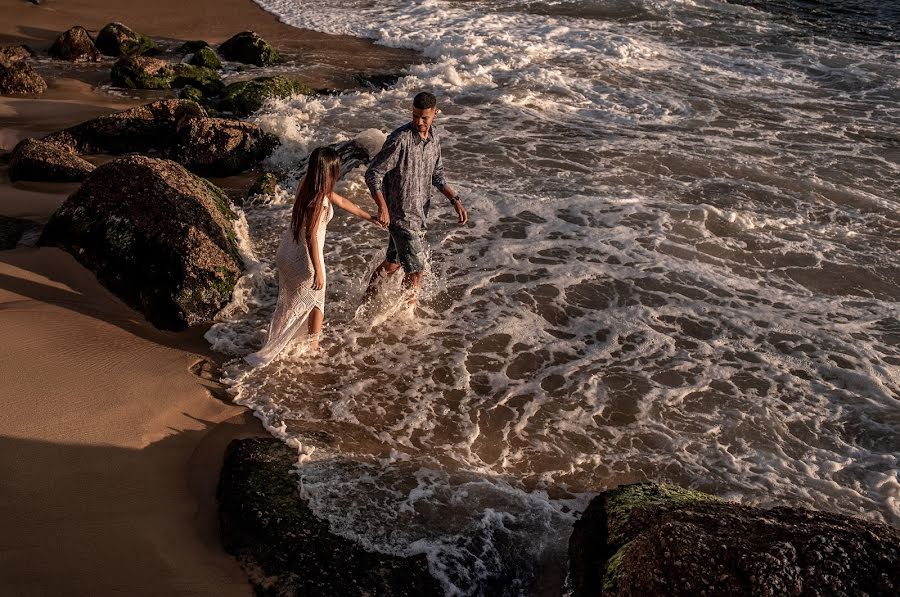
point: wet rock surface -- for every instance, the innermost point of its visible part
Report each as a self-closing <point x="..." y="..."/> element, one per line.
<point x="249" y="48"/>
<point x="246" y="97"/>
<point x="19" y="78"/>
<point x="12" y="231"/>
<point x="650" y="539"/>
<point x="263" y="189"/>
<point x="287" y="550"/>
<point x="12" y="54"/>
<point x="220" y="146"/>
<point x="116" y="39"/>
<point x="75" y="45"/>
<point x="207" y="58"/>
<point x="157" y="236"/>
<point x="143" y="72"/>
<point x="40" y="161"/>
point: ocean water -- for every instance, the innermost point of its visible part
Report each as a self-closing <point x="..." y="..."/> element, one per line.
<point x="682" y="265"/>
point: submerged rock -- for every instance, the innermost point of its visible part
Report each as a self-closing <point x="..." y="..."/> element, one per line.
<point x="246" y="97"/>
<point x="285" y="549"/>
<point x="157" y="236"/>
<point x="75" y="45"/>
<point x="220" y="146"/>
<point x="12" y="54"/>
<point x="40" y="161"/>
<point x="19" y="78"/>
<point x="206" y="58"/>
<point x="140" y="129"/>
<point x="377" y="82"/>
<point x="264" y="189"/>
<point x="249" y="48"/>
<point x="116" y="39"/>
<point x="649" y="539"/>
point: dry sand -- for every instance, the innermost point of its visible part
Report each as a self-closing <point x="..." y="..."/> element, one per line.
<point x="110" y="446"/>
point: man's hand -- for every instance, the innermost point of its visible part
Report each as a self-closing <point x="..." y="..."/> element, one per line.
<point x="461" y="211"/>
<point x="384" y="218"/>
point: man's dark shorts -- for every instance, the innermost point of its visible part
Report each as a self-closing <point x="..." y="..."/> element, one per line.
<point x="406" y="247"/>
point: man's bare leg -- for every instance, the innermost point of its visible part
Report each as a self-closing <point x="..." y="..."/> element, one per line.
<point x="411" y="283"/>
<point x="381" y="273"/>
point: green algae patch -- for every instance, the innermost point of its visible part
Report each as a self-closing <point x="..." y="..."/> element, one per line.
<point x="613" y="572"/>
<point x="246" y="97"/>
<point x="622" y="500"/>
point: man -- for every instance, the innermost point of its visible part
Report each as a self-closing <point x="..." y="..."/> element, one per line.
<point x="400" y="178"/>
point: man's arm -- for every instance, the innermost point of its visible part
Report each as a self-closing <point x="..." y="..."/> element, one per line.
<point x="385" y="161"/>
<point x="438" y="180"/>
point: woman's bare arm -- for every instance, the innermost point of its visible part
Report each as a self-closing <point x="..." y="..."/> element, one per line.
<point x="315" y="255"/>
<point x="353" y="208"/>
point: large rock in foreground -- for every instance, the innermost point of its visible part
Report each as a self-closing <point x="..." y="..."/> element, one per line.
<point x="157" y="236"/>
<point x="249" y="48"/>
<point x="19" y="78"/>
<point x="75" y="45"/>
<point x="285" y="548"/>
<point x="650" y="539"/>
<point x="220" y="146"/>
<point x="39" y="161"/>
<point x="116" y="39"/>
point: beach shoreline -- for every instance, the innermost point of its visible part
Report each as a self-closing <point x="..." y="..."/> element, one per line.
<point x="113" y="432"/>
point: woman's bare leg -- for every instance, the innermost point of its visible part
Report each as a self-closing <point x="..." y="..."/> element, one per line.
<point x="315" y="327"/>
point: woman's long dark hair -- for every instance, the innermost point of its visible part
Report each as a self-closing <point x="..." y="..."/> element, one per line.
<point x="323" y="171"/>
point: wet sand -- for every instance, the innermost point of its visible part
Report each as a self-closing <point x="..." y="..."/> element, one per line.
<point x="112" y="435"/>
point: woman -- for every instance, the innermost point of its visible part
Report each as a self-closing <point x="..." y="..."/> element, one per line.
<point x="301" y="270"/>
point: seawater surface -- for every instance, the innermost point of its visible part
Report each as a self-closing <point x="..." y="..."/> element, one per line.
<point x="682" y="265"/>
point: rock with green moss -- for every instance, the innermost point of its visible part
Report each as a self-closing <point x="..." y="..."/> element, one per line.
<point x="206" y="57"/>
<point x="147" y="128"/>
<point x="658" y="539"/>
<point x="285" y="549"/>
<point x="246" y="97"/>
<point x="142" y="72"/>
<point x="75" y="45"/>
<point x="220" y="146"/>
<point x="200" y="77"/>
<point x="249" y="48"/>
<point x="157" y="236"/>
<point x="264" y="189"/>
<point x="19" y="78"/>
<point x="45" y="162"/>
<point x="191" y="47"/>
<point x="193" y="94"/>
<point x="116" y="39"/>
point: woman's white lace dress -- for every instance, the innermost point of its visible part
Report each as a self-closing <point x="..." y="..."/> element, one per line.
<point x="296" y="297"/>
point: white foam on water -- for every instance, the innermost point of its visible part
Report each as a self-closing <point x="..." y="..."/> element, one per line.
<point x="681" y="266"/>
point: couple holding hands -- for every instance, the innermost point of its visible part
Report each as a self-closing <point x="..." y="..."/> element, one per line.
<point x="400" y="178"/>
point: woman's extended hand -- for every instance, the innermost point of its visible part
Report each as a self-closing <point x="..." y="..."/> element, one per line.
<point x="375" y="220"/>
<point x="318" y="281"/>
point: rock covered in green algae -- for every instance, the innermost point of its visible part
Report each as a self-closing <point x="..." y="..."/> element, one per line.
<point x="75" y="45"/>
<point x="206" y="57"/>
<point x="157" y="236"/>
<point x="651" y="539"/>
<point x="144" y="72"/>
<point x="246" y="97"/>
<point x="264" y="189"/>
<point x="39" y="161"/>
<point x="287" y="550"/>
<point x="19" y="78"/>
<point x="249" y="48"/>
<point x="116" y="39"/>
<point x="191" y="47"/>
<point x="220" y="146"/>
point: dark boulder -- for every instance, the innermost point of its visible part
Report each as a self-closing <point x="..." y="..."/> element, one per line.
<point x="285" y="549"/>
<point x="157" y="236"/>
<point x="377" y="82"/>
<point x="11" y="54"/>
<point x="246" y="97"/>
<point x="649" y="539"/>
<point x="39" y="161"/>
<point x="144" y="72"/>
<point x="14" y="230"/>
<point x="75" y="45"/>
<point x="263" y="190"/>
<point x="206" y="57"/>
<point x="116" y="39"/>
<point x="20" y="79"/>
<point x="220" y="146"/>
<point x="139" y="129"/>
<point x="249" y="48"/>
<point x="191" y="47"/>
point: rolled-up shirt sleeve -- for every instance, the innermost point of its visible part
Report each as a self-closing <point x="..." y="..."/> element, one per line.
<point x="437" y="177"/>
<point x="382" y="163"/>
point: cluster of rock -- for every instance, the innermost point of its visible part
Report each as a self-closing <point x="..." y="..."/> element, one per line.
<point x="657" y="539"/>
